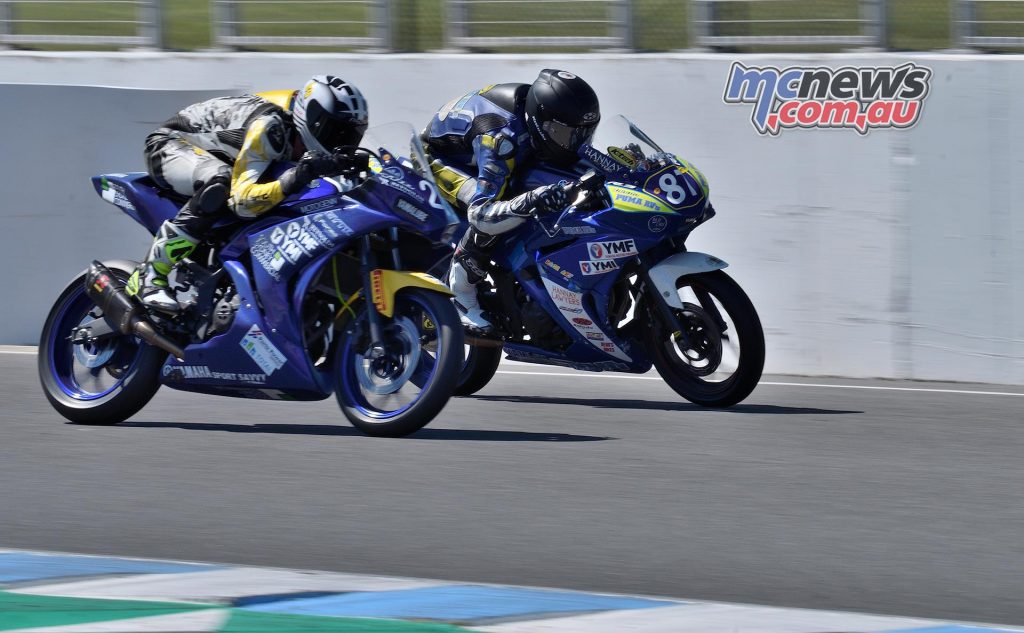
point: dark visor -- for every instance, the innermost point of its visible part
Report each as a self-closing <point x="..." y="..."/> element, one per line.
<point x="568" y="137"/>
<point x="333" y="131"/>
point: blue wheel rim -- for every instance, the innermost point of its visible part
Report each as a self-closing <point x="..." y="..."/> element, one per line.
<point x="422" y="376"/>
<point x="67" y="370"/>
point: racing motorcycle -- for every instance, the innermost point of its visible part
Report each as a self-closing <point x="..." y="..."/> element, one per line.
<point x="308" y="300"/>
<point x="609" y="285"/>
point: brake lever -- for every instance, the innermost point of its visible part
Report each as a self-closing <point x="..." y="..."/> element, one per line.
<point x="589" y="183"/>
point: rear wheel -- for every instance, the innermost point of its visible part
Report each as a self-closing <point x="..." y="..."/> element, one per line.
<point x="480" y="366"/>
<point x="398" y="387"/>
<point x="98" y="380"/>
<point x="723" y="361"/>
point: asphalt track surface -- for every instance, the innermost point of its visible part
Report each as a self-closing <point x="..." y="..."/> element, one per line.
<point x="890" y="501"/>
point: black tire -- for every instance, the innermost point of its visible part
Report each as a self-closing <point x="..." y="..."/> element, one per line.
<point x="435" y="389"/>
<point x="480" y="366"/>
<point x="680" y="375"/>
<point x="137" y="362"/>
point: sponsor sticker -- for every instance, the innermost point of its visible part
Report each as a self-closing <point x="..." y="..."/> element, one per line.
<point x="601" y="160"/>
<point x="202" y="372"/>
<point x="562" y="296"/>
<point x="114" y="194"/>
<point x="611" y="250"/>
<point x="412" y="210"/>
<point x="623" y="157"/>
<point x="292" y="242"/>
<point x="319" y="205"/>
<point x="598" y="267"/>
<point x="657" y="224"/>
<point x="568" y="303"/>
<point x="862" y="98"/>
<point x="578" y="230"/>
<point x="394" y="177"/>
<point x="262" y="351"/>
<point x="558" y="269"/>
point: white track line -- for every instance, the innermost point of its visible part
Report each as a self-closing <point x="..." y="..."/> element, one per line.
<point x="17" y="349"/>
<point x="780" y="384"/>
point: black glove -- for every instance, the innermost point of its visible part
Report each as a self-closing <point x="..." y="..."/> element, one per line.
<point x="312" y="165"/>
<point x="549" y="199"/>
<point x="349" y="163"/>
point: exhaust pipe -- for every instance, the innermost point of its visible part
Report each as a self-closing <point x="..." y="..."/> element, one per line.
<point x="121" y="313"/>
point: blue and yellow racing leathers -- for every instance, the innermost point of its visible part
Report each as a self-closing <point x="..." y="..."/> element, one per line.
<point x="475" y="144"/>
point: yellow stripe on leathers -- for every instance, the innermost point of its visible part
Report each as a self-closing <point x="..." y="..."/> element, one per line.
<point x="384" y="284"/>
<point x="280" y="98"/>
<point x="449" y="180"/>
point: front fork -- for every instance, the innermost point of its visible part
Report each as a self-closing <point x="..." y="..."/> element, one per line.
<point x="367" y="263"/>
<point x="668" y="316"/>
<point x="662" y="309"/>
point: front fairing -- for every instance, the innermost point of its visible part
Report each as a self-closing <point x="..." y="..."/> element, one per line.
<point x="642" y="178"/>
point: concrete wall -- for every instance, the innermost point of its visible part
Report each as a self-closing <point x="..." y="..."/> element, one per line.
<point x="899" y="254"/>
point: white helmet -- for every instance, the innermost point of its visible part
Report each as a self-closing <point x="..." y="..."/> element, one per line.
<point x="329" y="113"/>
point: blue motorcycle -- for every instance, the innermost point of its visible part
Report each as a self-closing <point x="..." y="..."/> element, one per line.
<point x="609" y="285"/>
<point x="308" y="300"/>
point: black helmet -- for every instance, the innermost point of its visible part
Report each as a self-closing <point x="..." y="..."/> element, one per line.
<point x="561" y="113"/>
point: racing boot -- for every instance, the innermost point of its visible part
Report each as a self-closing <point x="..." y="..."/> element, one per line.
<point x="465" y="273"/>
<point x="149" y="281"/>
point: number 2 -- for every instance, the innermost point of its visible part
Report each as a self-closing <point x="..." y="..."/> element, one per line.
<point x="433" y="201"/>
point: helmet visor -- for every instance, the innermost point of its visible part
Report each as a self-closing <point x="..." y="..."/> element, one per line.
<point x="333" y="131"/>
<point x="568" y="137"/>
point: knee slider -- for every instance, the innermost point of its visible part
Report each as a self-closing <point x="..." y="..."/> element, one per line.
<point x="211" y="196"/>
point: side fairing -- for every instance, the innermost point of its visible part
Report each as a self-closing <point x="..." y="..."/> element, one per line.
<point x="250" y="360"/>
<point x="280" y="251"/>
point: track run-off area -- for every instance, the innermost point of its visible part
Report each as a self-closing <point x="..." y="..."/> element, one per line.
<point x="887" y="497"/>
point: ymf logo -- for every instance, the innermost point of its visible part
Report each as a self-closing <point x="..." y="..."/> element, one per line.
<point x="859" y="98"/>
<point x="612" y="250"/>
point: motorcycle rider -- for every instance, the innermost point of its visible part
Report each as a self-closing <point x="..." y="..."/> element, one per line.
<point x="217" y="152"/>
<point x="478" y="142"/>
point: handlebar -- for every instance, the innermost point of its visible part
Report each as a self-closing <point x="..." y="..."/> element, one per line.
<point x="589" y="182"/>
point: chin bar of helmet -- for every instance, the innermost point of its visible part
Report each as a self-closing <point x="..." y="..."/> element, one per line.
<point x="121" y="313"/>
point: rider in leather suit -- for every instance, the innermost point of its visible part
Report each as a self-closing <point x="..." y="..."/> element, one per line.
<point x="217" y="151"/>
<point x="477" y="142"/>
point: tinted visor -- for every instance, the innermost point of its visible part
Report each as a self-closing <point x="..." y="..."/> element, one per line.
<point x="569" y="137"/>
<point x="331" y="130"/>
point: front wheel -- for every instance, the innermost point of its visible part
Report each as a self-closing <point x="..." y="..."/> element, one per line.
<point x="396" y="388"/>
<point x="103" y="380"/>
<point x="723" y="361"/>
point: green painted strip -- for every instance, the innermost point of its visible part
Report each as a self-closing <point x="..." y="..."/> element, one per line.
<point x="243" y="621"/>
<point x="23" y="611"/>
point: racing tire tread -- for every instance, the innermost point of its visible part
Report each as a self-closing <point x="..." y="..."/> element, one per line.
<point x="748" y="327"/>
<point x="138" y="388"/>
<point x="438" y="392"/>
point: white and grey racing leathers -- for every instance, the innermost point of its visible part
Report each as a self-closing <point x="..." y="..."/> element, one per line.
<point x="226" y="140"/>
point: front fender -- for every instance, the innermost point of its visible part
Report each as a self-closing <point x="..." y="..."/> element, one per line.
<point x="385" y="284"/>
<point x="665" y="273"/>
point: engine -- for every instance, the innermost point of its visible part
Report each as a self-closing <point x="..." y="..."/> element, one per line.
<point x="543" y="330"/>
